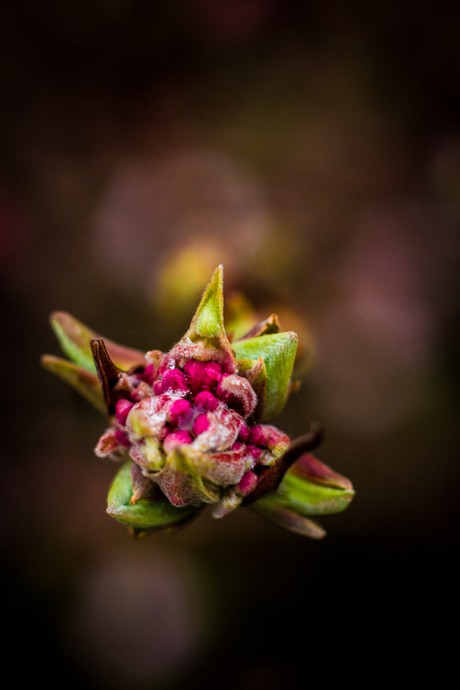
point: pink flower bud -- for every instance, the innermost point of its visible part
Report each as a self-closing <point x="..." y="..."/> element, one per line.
<point x="206" y="401"/>
<point x="222" y="432"/>
<point x="266" y="436"/>
<point x="255" y="452"/>
<point x="247" y="483"/>
<point x="148" y="374"/>
<point x="201" y="424"/>
<point x="238" y="393"/>
<point x="237" y="446"/>
<point x="202" y="376"/>
<point x="122" y="408"/>
<point x="171" y="381"/>
<point x="178" y="411"/>
<point x="243" y="433"/>
<point x="148" y="417"/>
<point x="213" y="370"/>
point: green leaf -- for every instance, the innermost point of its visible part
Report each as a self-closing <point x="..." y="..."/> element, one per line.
<point x="307" y="498"/>
<point x="144" y="515"/>
<point x="74" y="339"/>
<point x="208" y="321"/>
<point x="297" y="498"/>
<point x="278" y="351"/>
<point x="207" y="330"/>
<point x="79" y="378"/>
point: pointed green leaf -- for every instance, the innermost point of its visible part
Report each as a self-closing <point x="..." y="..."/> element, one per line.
<point x="308" y="498"/>
<point x="288" y="519"/>
<point x="206" y="338"/>
<point x="144" y="515"/>
<point x="208" y="321"/>
<point x="79" y="378"/>
<point x="278" y="351"/>
<point x="74" y="339"/>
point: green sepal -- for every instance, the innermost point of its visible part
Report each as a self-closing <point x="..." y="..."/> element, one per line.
<point x="297" y="498"/>
<point x="278" y="351"/>
<point x="74" y="339"/>
<point x="308" y="498"/>
<point x="79" y="378"/>
<point x="207" y="325"/>
<point x="193" y="465"/>
<point x="208" y="321"/>
<point x="151" y="452"/>
<point x="144" y="515"/>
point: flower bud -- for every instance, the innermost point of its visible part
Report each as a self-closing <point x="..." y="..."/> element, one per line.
<point x="238" y="393"/>
<point x="186" y="421"/>
<point x="123" y="408"/>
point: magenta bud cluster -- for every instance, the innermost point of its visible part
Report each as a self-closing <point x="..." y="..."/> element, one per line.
<point x="189" y="424"/>
<point x="193" y="414"/>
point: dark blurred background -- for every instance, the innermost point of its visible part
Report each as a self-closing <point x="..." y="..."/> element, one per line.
<point x="314" y="149"/>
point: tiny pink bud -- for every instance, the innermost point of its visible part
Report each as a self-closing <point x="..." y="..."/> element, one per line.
<point x="237" y="446"/>
<point x="136" y="395"/>
<point x="201" y="424"/>
<point x="148" y="417"/>
<point x="148" y="374"/>
<point x="255" y="452"/>
<point x="202" y="376"/>
<point x="243" y="433"/>
<point x="238" y="393"/>
<point x="194" y="371"/>
<point x="266" y="436"/>
<point x="122" y="409"/>
<point x="171" y="381"/>
<point x="213" y="370"/>
<point x="247" y="483"/>
<point x="179" y="409"/>
<point x="206" y="401"/>
<point x="177" y="438"/>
